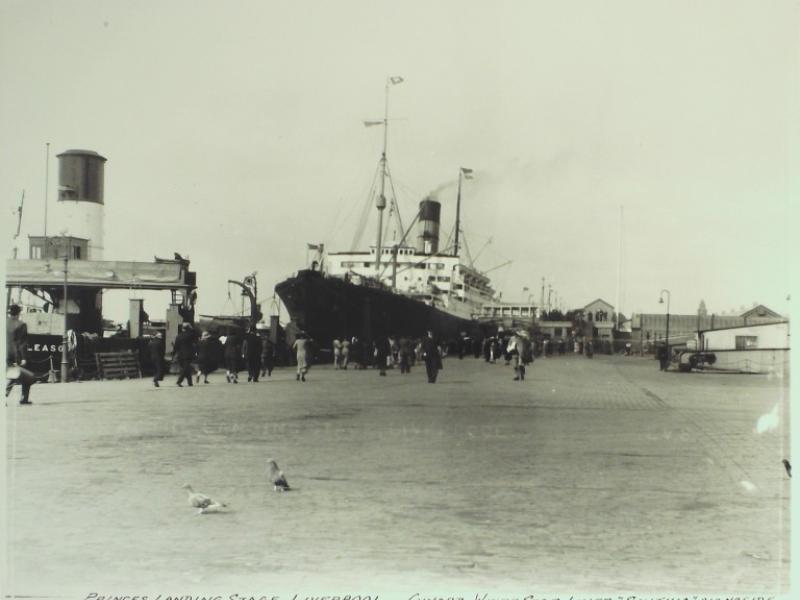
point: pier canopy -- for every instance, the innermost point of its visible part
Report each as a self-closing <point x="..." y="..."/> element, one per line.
<point x="107" y="274"/>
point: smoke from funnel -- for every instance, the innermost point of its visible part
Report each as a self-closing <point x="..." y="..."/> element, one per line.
<point x="434" y="194"/>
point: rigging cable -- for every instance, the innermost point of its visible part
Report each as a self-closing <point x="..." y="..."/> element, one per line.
<point x="394" y="200"/>
<point x="362" y="223"/>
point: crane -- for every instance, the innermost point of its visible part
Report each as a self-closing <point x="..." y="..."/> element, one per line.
<point x="250" y="289"/>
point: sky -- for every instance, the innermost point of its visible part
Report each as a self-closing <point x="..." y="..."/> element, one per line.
<point x="659" y="136"/>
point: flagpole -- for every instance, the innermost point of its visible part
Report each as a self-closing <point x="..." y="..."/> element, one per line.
<point x="458" y="209"/>
<point x="46" y="186"/>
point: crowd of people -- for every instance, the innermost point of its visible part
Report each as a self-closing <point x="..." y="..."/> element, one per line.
<point x="199" y="354"/>
<point x="196" y="355"/>
<point x="388" y="352"/>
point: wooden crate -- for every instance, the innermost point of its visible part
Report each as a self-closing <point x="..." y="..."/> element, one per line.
<point x="118" y="365"/>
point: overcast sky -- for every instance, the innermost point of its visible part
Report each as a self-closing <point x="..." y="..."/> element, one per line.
<point x="234" y="135"/>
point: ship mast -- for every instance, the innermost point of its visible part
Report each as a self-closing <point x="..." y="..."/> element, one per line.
<point x="380" y="202"/>
<point x="463" y="173"/>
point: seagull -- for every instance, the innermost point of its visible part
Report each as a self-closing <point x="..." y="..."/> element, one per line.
<point x="202" y="502"/>
<point x="788" y="467"/>
<point x="275" y="475"/>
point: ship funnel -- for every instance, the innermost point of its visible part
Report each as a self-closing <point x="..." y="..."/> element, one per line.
<point x="79" y="210"/>
<point x="428" y="236"/>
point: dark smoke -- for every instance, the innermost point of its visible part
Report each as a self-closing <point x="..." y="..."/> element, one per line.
<point x="434" y="194"/>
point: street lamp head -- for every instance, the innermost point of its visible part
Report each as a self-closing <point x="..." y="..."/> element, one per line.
<point x="661" y="300"/>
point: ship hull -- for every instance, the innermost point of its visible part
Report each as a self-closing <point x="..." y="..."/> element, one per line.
<point x="328" y="308"/>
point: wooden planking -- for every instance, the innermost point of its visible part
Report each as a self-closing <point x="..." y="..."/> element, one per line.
<point x="118" y="365"/>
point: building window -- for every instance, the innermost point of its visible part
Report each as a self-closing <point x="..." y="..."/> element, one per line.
<point x="557" y="331"/>
<point x="36" y="252"/>
<point x="76" y="252"/>
<point x="746" y="342"/>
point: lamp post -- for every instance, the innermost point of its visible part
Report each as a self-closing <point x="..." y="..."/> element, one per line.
<point x="666" y="338"/>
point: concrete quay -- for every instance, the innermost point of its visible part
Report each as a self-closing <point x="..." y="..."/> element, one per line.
<point x="591" y="476"/>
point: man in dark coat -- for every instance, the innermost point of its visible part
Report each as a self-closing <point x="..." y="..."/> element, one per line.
<point x="267" y="357"/>
<point x="251" y="351"/>
<point x="663" y="358"/>
<point x="185" y="351"/>
<point x="17" y="355"/>
<point x="405" y="351"/>
<point x="382" y="350"/>
<point x="432" y="357"/>
<point x="156" y="347"/>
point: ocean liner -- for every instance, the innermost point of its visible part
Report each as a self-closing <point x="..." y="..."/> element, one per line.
<point x="401" y="288"/>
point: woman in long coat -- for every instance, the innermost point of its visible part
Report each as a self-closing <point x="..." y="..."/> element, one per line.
<point x="432" y="357"/>
<point x="300" y="347"/>
<point x="206" y="359"/>
<point x="233" y="350"/>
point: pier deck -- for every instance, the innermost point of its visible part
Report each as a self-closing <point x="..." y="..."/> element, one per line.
<point x="592" y="475"/>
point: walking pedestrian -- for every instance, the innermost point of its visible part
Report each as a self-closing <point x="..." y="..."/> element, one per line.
<point x="382" y="353"/>
<point x="337" y="353"/>
<point x="463" y="345"/>
<point x="357" y="353"/>
<point x="185" y="351"/>
<point x="232" y="350"/>
<point x="301" y="347"/>
<point x="433" y="360"/>
<point x="251" y="352"/>
<point x="206" y="357"/>
<point x="267" y="356"/>
<point x="345" y="353"/>
<point x="519" y="347"/>
<point x="157" y="351"/>
<point x="496" y="349"/>
<point x="663" y="357"/>
<point x="394" y="353"/>
<point x="404" y="354"/>
<point x="17" y="355"/>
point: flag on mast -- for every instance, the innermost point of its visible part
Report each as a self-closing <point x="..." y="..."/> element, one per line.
<point x="395" y="80"/>
<point x="466" y="172"/>
<point x="372" y="123"/>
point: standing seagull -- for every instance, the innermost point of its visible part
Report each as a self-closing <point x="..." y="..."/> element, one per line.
<point x="201" y="501"/>
<point x="275" y="475"/>
<point x="788" y="466"/>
